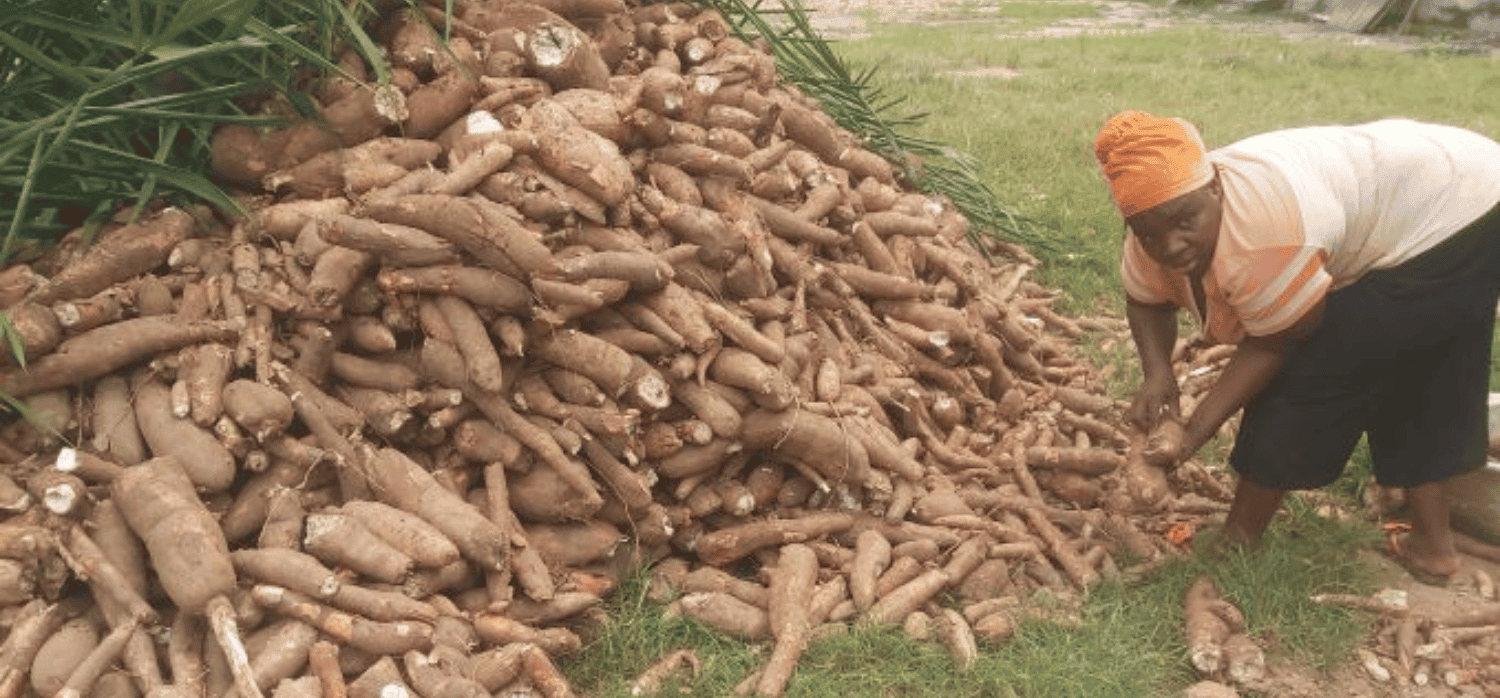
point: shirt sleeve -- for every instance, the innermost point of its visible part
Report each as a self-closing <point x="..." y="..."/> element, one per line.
<point x="1272" y="288"/>
<point x="1148" y="282"/>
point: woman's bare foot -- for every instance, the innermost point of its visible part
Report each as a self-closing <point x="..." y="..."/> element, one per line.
<point x="1427" y="552"/>
<point x="1429" y="561"/>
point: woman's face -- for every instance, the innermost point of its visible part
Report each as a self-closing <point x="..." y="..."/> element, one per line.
<point x="1181" y="234"/>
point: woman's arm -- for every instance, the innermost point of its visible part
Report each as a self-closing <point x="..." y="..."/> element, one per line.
<point x="1257" y="360"/>
<point x="1153" y="327"/>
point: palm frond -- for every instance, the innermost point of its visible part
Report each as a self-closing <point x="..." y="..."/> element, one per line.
<point x="110" y="102"/>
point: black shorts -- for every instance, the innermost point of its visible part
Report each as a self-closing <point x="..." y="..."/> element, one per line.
<point x="1402" y="355"/>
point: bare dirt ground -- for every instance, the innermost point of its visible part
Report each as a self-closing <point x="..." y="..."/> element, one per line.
<point x="851" y="19"/>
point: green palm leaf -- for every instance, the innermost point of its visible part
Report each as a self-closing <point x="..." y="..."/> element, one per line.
<point x="104" y="102"/>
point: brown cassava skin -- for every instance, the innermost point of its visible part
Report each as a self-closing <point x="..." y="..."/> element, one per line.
<point x="335" y="273"/>
<point x="498" y="242"/>
<point x="628" y="486"/>
<point x="558" y="51"/>
<point x="433" y="677"/>
<point x="258" y="408"/>
<point x="742" y="369"/>
<point x="692" y="460"/>
<point x="304" y="573"/>
<point x="1083" y="402"/>
<point x="888" y="224"/>
<point x="500" y="630"/>
<point x="341" y="540"/>
<point x="543" y="674"/>
<point x="379" y="373"/>
<point x="744" y="334"/>
<point x="61" y="653"/>
<point x="681" y="312"/>
<point x="35" y="623"/>
<point x="966" y="558"/>
<point x="814" y="440"/>
<point x="37" y="328"/>
<point x="644" y="271"/>
<point x="480" y="440"/>
<point x="205" y="368"/>
<point x="203" y="458"/>
<point x="526" y="564"/>
<point x="1087" y="461"/>
<point x="788" y="226"/>
<point x="574" y="544"/>
<point x="718" y="413"/>
<point x="726" y="613"/>
<point x="607" y="365"/>
<point x="894" y="606"/>
<point x="703" y="161"/>
<point x="580" y="157"/>
<point x="543" y="496"/>
<point x="396" y="245"/>
<point x="278" y="650"/>
<point x="872" y="554"/>
<point x="404" y="484"/>
<point x="323" y="662"/>
<point x="959" y="637"/>
<point x="436" y="104"/>
<point x="1207" y="622"/>
<point x="379" y="680"/>
<point x="120" y="598"/>
<point x="715" y="579"/>
<point x="674" y="183"/>
<point x="377" y="638"/>
<point x="1145" y="483"/>
<point x="875" y="285"/>
<point x="407" y="532"/>
<point x="109" y="348"/>
<point x="792" y="585"/>
<point x="596" y="110"/>
<point x="121" y="254"/>
<point x="473" y="342"/>
<point x="247" y="512"/>
<point x="244" y="155"/>
<point x="187" y="549"/>
<point x="883" y="447"/>
<point x="540" y="442"/>
<point x="728" y="544"/>
<point x="561" y="606"/>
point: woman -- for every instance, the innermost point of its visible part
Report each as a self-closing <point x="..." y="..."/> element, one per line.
<point x="1357" y="268"/>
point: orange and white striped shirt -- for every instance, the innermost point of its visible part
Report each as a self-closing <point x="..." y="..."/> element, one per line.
<point x="1310" y="210"/>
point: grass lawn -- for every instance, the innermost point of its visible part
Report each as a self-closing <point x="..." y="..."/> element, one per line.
<point x="1032" y="134"/>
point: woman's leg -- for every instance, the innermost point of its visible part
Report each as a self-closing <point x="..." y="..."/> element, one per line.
<point x="1251" y="512"/>
<point x="1429" y="546"/>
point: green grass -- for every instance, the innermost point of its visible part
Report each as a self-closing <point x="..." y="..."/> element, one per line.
<point x="1129" y="644"/>
<point x="1033" y="134"/>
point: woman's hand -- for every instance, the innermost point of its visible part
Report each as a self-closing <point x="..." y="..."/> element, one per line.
<point x="1154" y="399"/>
<point x="1167" y="446"/>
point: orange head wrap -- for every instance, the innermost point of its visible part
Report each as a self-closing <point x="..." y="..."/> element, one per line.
<point x="1150" y="160"/>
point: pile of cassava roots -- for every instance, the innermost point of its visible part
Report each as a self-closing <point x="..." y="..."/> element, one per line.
<point x="582" y="290"/>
